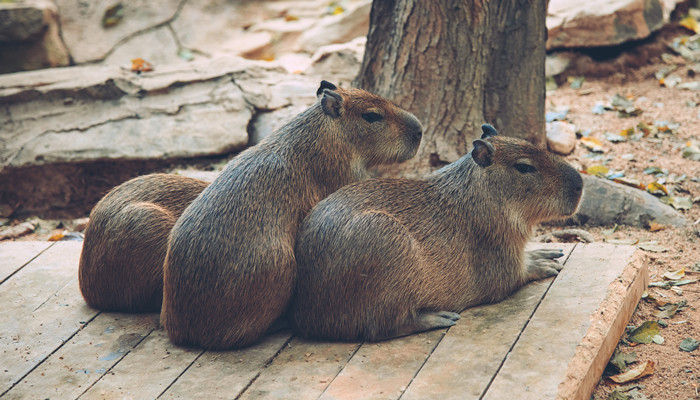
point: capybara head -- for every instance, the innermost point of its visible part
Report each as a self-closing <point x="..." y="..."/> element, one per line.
<point x="379" y="131"/>
<point x="525" y="179"/>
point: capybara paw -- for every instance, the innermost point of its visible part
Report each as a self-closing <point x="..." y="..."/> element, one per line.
<point x="542" y="268"/>
<point x="548" y="254"/>
<point x="449" y="315"/>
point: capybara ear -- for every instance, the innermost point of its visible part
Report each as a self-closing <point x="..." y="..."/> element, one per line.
<point x="325" y="85"/>
<point x="488" y="131"/>
<point x="331" y="103"/>
<point x="482" y="152"/>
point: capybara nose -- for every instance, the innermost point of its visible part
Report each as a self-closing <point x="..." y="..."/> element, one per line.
<point x="414" y="127"/>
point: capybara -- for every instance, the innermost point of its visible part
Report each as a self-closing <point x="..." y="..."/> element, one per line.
<point x="389" y="257"/>
<point x="121" y="264"/>
<point x="230" y="266"/>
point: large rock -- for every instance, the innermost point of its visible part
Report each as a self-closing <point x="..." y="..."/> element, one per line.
<point x="63" y="121"/>
<point x="88" y="40"/>
<point x="30" y="37"/>
<point x="341" y="61"/>
<point x="336" y="29"/>
<point x="594" y="23"/>
<point x="606" y="203"/>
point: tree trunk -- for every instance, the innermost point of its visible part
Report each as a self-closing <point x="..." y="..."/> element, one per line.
<point x="457" y="65"/>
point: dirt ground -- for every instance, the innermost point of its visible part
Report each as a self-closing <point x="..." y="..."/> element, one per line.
<point x="676" y="373"/>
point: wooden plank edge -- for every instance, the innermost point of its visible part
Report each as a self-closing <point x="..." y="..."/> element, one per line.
<point x="607" y="326"/>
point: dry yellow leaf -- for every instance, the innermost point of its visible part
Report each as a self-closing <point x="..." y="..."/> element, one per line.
<point x="641" y="370"/>
<point x="592" y="144"/>
<point x="690" y="23"/>
<point x="657" y="188"/>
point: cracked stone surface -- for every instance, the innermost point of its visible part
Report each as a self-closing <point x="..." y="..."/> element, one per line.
<point x="60" y="128"/>
<point x="102" y="112"/>
<point x="88" y="41"/>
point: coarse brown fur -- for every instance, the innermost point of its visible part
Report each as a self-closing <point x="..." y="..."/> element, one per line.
<point x="230" y="266"/>
<point x="121" y="264"/>
<point x="388" y="257"/>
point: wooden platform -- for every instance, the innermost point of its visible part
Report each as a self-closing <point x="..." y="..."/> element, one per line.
<point x="549" y="340"/>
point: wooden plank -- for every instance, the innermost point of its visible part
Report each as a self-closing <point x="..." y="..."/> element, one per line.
<point x="146" y="372"/>
<point x="39" y="280"/>
<point x="302" y="370"/>
<point x="15" y="255"/>
<point x="86" y="357"/>
<point x="467" y="358"/>
<point x="30" y="334"/>
<point x="607" y="326"/>
<point x="538" y="362"/>
<point x="224" y="375"/>
<point x="383" y="370"/>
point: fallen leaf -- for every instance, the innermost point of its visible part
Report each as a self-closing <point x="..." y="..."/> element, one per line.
<point x="630" y="241"/>
<point x="689" y="344"/>
<point x="670" y="81"/>
<point x="674" y="275"/>
<point x="289" y="18"/>
<point x="621" y="360"/>
<point x="630" y="182"/>
<point x="653" y="170"/>
<point x="575" y="82"/>
<point x="113" y="15"/>
<point x="592" y="144"/>
<point x="667" y="312"/>
<point x="652" y="246"/>
<point x="598" y="170"/>
<point x="668" y="284"/>
<point x="644" y="333"/>
<point x="691" y="151"/>
<point x="690" y="23"/>
<point x="558" y="114"/>
<point x="658" y="339"/>
<point x="56" y="237"/>
<point x="641" y="370"/>
<point x="139" y="65"/>
<point x="655" y="227"/>
<point x="689" y="85"/>
<point x="657" y="188"/>
<point x="679" y="203"/>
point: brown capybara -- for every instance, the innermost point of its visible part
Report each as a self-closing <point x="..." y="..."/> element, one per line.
<point x="389" y="257"/>
<point x="121" y="264"/>
<point x="230" y="268"/>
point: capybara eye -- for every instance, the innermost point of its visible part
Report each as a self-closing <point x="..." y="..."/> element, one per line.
<point x="372" y="117"/>
<point x="525" y="168"/>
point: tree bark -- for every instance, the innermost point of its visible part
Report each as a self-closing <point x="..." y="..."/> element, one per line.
<point x="457" y="65"/>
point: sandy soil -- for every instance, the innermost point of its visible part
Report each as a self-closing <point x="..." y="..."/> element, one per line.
<point x="677" y="373"/>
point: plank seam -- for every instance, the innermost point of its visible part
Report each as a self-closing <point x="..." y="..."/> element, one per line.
<point x="341" y="369"/>
<point x="115" y="364"/>
<point x="267" y="364"/>
<point x="517" y="338"/>
<point x="437" y="342"/>
<point x="27" y="263"/>
<point x="181" y="373"/>
<point x="63" y="342"/>
<point x="53" y="295"/>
